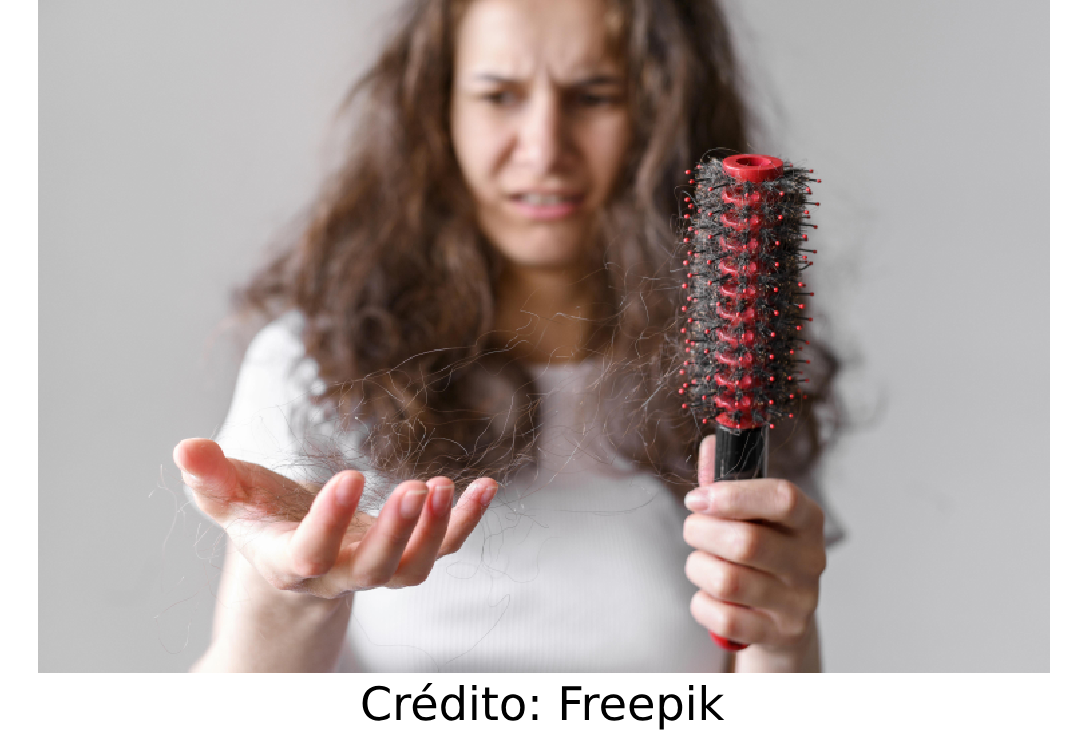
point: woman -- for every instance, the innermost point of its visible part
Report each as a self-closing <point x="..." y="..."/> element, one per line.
<point x="486" y="289"/>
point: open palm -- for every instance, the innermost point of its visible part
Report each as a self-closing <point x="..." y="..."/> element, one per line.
<point x="318" y="543"/>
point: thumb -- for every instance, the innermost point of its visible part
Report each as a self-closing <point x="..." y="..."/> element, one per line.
<point x="705" y="466"/>
<point x="211" y="478"/>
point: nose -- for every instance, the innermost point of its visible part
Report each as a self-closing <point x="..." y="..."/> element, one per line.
<point x="542" y="137"/>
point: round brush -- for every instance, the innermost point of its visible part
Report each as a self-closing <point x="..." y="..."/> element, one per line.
<point x="744" y="234"/>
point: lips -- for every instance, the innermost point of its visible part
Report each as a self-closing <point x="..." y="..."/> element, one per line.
<point x="546" y="198"/>
<point x="546" y="205"/>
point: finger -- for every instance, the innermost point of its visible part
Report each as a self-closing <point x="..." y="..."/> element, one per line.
<point x="737" y="623"/>
<point x="706" y="461"/>
<point x="226" y="489"/>
<point x="315" y="545"/>
<point x="772" y="500"/>
<point x="208" y="474"/>
<point x="465" y="517"/>
<point x="376" y="557"/>
<point x="745" y="543"/>
<point x="740" y="584"/>
<point x="423" y="546"/>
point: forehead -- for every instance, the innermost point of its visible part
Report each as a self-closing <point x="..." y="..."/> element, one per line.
<point x="520" y="38"/>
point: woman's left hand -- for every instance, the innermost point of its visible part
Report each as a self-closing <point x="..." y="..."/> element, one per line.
<point x="758" y="559"/>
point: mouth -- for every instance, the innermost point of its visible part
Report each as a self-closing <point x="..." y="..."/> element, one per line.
<point x="547" y="205"/>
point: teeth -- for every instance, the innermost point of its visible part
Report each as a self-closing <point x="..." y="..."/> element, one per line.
<point x="539" y="199"/>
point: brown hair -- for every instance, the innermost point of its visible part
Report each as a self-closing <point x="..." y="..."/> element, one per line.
<point x="396" y="283"/>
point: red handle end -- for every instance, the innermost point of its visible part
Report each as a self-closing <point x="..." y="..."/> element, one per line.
<point x="727" y="644"/>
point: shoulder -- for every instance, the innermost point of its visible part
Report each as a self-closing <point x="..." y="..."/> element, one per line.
<point x="275" y="363"/>
<point x="278" y="345"/>
<point x="275" y="372"/>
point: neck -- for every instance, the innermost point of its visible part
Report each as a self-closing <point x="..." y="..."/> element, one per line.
<point x="544" y="312"/>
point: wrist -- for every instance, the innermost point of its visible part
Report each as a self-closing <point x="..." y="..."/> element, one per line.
<point x="260" y="628"/>
<point x="802" y="655"/>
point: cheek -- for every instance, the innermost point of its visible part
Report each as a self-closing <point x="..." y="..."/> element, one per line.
<point x="608" y="148"/>
<point x="477" y="147"/>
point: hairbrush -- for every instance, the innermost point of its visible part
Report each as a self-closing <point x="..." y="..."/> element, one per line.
<point x="744" y="309"/>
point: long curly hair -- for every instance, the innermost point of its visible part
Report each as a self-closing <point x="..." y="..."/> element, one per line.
<point x="397" y="284"/>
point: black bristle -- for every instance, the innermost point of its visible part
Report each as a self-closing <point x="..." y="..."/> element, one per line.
<point x="745" y="312"/>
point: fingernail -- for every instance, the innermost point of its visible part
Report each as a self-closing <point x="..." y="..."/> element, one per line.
<point x="442" y="497"/>
<point x="346" y="493"/>
<point x="412" y="503"/>
<point x="484" y="496"/>
<point x="697" y="501"/>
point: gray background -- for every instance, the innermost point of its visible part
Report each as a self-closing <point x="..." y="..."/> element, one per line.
<point x="177" y="140"/>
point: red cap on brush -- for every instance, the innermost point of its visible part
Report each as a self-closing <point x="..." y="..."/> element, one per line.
<point x="745" y="305"/>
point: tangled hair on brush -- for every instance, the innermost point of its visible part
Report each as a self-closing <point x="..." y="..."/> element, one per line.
<point x="397" y="283"/>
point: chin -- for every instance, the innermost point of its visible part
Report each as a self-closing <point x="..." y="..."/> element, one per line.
<point x="555" y="250"/>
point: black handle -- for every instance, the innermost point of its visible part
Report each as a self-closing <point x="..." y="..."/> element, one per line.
<point x="739" y="454"/>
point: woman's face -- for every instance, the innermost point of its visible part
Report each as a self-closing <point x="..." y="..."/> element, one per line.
<point x="539" y="123"/>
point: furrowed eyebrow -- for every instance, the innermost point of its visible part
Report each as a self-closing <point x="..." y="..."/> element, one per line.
<point x="595" y="80"/>
<point x="494" y="78"/>
<point x="598" y="80"/>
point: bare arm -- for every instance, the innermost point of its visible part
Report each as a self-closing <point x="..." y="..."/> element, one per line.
<point x="261" y="629"/>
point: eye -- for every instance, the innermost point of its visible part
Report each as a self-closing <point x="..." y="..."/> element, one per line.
<point x="500" y="97"/>
<point x="594" y="99"/>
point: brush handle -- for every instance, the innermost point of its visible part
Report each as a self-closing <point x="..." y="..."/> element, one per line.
<point x="739" y="454"/>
